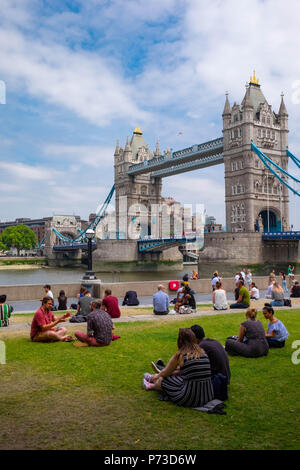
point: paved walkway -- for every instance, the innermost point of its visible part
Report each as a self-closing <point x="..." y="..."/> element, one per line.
<point x="29" y="306"/>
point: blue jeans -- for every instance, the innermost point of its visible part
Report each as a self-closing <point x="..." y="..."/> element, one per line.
<point x="239" y="305"/>
<point x="284" y="287"/>
<point x="273" y="343"/>
<point x="277" y="303"/>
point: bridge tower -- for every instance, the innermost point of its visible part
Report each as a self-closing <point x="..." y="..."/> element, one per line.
<point x="134" y="195"/>
<point x="255" y="200"/>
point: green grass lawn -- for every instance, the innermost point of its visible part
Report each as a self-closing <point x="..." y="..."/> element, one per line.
<point x="55" y="396"/>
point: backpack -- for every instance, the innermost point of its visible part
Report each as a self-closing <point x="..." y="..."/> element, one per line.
<point x="287" y="302"/>
<point x="219" y="383"/>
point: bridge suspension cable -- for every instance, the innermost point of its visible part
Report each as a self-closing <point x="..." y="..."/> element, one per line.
<point x="265" y="161"/>
<point x="295" y="159"/>
<point x="92" y="225"/>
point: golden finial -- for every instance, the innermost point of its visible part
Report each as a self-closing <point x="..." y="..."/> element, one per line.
<point x="254" y="79"/>
<point x="137" y="130"/>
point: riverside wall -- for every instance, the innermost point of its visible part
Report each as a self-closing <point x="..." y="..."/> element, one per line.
<point x="145" y="288"/>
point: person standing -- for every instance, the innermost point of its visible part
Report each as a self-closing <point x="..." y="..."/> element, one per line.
<point x="272" y="276"/>
<point x="283" y="282"/>
<point x="214" y="280"/>
<point x="248" y="278"/>
<point x="160" y="301"/>
<point x="110" y="304"/>
<point x="290" y="273"/>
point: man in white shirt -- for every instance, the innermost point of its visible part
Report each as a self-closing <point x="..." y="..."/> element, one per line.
<point x="48" y="291"/>
<point x="254" y="292"/>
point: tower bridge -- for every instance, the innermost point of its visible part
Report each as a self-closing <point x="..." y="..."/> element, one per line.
<point x="256" y="199"/>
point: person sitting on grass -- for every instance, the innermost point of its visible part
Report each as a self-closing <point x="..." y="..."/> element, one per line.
<point x="243" y="300"/>
<point x="251" y="341"/>
<point x="295" y="290"/>
<point x="277" y="295"/>
<point x="99" y="328"/>
<point x="110" y="304"/>
<point x="217" y="356"/>
<point x="186" y="380"/>
<point x="5" y="311"/>
<point x="130" y="299"/>
<point x="62" y="301"/>
<point x="160" y="301"/>
<point x="219" y="298"/>
<point x="83" y="308"/>
<point x="277" y="333"/>
<point x="254" y="291"/>
<point x="43" y="326"/>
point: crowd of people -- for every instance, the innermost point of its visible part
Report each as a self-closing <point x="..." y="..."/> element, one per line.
<point x="199" y="371"/>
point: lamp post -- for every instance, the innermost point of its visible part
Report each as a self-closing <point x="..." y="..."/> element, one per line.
<point x="90" y="273"/>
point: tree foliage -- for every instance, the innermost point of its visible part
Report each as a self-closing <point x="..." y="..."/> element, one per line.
<point x="20" y="237"/>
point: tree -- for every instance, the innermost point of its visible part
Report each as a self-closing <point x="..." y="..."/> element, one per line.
<point x="20" y="237"/>
<point x="2" y="246"/>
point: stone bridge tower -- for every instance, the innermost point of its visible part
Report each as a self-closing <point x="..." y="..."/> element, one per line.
<point x="68" y="226"/>
<point x="255" y="199"/>
<point x="134" y="195"/>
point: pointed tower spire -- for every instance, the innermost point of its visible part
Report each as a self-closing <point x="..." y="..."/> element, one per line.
<point x="117" y="151"/>
<point x="282" y="109"/>
<point x="127" y="145"/>
<point x="246" y="103"/>
<point x="227" y="108"/>
<point x="127" y="151"/>
<point x="157" y="152"/>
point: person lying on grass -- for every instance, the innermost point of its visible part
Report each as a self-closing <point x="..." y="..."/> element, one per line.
<point x="192" y="387"/>
<point x="277" y="332"/>
<point x="43" y="326"/>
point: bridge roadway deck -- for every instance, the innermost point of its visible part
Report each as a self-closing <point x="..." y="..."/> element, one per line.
<point x="195" y="157"/>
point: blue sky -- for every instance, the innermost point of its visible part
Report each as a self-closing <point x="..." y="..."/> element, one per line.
<point x="81" y="74"/>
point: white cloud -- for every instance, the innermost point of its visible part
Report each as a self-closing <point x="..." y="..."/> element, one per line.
<point x="91" y="155"/>
<point x="82" y="82"/>
<point x="28" y="172"/>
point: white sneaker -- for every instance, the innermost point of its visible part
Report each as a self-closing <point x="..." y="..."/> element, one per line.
<point x="172" y="312"/>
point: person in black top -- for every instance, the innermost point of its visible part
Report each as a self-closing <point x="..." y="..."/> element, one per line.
<point x="295" y="290"/>
<point x="188" y="298"/>
<point x="62" y="301"/>
<point x="217" y="355"/>
<point x="131" y="299"/>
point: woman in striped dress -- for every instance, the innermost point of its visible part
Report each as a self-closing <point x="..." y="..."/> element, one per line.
<point x="186" y="380"/>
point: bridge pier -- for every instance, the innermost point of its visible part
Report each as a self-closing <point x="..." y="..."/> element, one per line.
<point x="247" y="248"/>
<point x="123" y="255"/>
